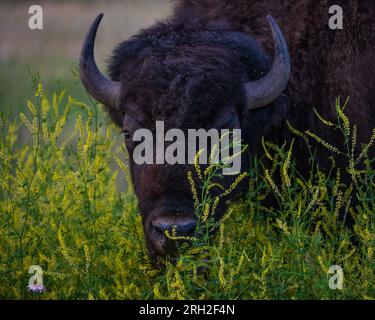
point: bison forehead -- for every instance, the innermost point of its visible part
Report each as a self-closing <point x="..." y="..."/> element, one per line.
<point x="190" y="82"/>
<point x="176" y="72"/>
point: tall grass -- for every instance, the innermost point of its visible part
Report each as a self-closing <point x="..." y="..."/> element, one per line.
<point x="60" y="209"/>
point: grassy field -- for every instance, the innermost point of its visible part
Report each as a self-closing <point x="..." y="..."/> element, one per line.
<point x="65" y="204"/>
<point x="60" y="209"/>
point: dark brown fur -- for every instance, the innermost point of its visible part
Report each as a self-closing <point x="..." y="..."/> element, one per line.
<point x="325" y="63"/>
<point x="189" y="71"/>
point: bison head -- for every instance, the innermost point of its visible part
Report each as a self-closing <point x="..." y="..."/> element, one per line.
<point x="189" y="76"/>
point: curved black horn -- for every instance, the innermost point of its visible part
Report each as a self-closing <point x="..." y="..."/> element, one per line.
<point x="98" y="86"/>
<point x="263" y="91"/>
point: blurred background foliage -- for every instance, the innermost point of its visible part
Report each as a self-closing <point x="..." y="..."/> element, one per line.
<point x="55" y="49"/>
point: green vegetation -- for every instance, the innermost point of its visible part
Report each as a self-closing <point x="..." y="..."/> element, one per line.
<point x="60" y="208"/>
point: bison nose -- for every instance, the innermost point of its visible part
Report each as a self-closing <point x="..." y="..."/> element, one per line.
<point x="184" y="227"/>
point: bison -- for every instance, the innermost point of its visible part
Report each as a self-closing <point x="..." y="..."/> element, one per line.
<point x="209" y="66"/>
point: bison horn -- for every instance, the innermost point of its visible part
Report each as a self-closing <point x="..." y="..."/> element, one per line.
<point x="98" y="86"/>
<point x="263" y="91"/>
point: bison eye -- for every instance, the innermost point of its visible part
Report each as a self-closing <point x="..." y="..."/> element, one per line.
<point x="127" y="134"/>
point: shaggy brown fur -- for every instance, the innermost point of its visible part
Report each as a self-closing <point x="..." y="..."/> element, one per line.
<point x="325" y="63"/>
<point x="190" y="69"/>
